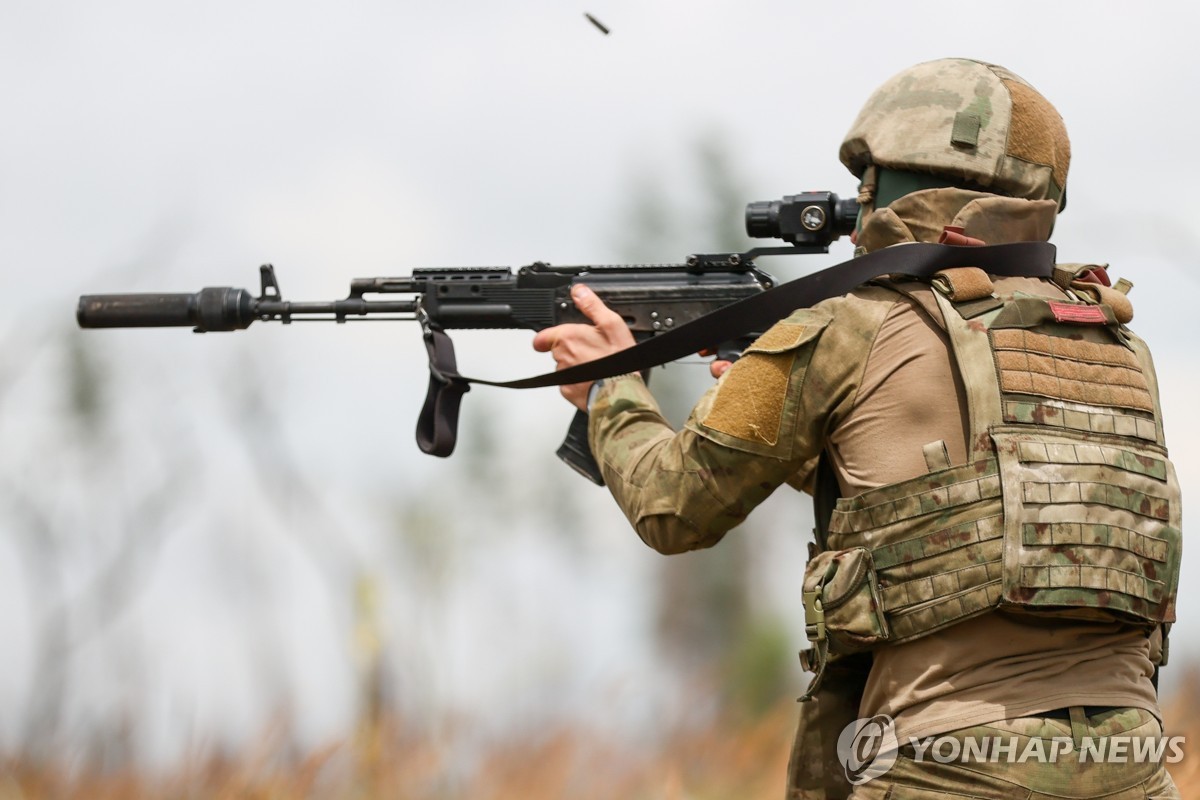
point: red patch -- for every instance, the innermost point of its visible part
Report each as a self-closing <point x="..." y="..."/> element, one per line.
<point x="1095" y="275"/>
<point x="953" y="234"/>
<point x="1085" y="315"/>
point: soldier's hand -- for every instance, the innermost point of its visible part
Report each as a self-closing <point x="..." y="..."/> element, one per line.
<point x="575" y="343"/>
<point x="719" y="367"/>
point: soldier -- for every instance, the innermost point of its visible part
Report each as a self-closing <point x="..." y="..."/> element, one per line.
<point x="1003" y="553"/>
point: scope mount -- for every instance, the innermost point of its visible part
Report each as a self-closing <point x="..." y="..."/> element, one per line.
<point x="744" y="262"/>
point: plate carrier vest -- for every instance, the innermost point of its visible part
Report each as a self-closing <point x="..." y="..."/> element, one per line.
<point x="1067" y="505"/>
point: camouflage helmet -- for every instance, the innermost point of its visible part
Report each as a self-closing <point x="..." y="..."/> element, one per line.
<point x="967" y="122"/>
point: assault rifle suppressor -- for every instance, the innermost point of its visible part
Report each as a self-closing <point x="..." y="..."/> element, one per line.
<point x="652" y="298"/>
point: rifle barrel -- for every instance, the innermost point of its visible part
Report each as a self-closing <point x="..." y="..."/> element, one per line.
<point x="218" y="309"/>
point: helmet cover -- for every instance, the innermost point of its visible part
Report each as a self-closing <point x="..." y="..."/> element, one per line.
<point x="966" y="121"/>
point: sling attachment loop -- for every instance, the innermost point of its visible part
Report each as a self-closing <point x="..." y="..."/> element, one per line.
<point x="437" y="426"/>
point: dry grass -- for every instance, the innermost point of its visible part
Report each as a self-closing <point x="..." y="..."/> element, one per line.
<point x="744" y="761"/>
<point x="1182" y="718"/>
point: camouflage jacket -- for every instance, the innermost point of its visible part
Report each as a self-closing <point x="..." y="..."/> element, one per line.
<point x="1061" y="421"/>
<point x="770" y="416"/>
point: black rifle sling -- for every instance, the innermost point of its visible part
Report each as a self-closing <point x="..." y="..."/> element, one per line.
<point x="437" y="427"/>
<point x="438" y="423"/>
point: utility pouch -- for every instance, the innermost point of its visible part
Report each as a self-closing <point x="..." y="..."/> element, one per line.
<point x="842" y="603"/>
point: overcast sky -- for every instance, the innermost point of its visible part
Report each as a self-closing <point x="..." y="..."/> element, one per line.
<point x="165" y="146"/>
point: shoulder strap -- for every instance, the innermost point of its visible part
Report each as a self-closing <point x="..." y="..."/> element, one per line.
<point x="826" y="493"/>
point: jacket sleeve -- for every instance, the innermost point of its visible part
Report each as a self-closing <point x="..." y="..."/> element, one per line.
<point x="684" y="490"/>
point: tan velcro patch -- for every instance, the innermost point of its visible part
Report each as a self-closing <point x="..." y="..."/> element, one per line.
<point x="1121" y="306"/>
<point x="1071" y="370"/>
<point x="964" y="283"/>
<point x="781" y="336"/>
<point x="1037" y="133"/>
<point x="749" y="404"/>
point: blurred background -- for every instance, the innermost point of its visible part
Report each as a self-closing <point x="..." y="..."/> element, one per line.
<point x="226" y="569"/>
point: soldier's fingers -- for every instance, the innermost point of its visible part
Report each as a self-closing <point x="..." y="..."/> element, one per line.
<point x="719" y="367"/>
<point x="545" y="339"/>
<point x="594" y="309"/>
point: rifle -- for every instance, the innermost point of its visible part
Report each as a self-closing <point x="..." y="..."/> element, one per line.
<point x="652" y="298"/>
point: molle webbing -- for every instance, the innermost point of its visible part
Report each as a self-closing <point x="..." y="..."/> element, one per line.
<point x="1091" y="513"/>
<point x="1074" y="384"/>
<point x="1092" y="524"/>
<point x="936" y="544"/>
<point x="944" y="548"/>
<point x="1068" y="505"/>
<point x="1071" y="370"/>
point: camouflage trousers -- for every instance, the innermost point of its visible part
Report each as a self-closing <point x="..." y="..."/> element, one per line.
<point x="1068" y="776"/>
